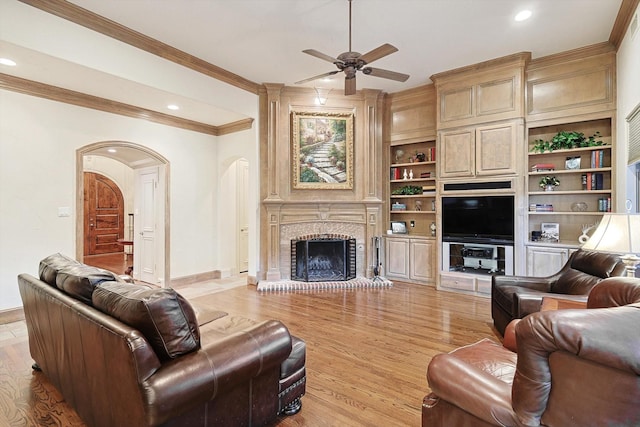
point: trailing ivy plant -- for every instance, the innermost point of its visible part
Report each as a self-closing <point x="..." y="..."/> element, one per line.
<point x="407" y="190"/>
<point x="566" y="141"/>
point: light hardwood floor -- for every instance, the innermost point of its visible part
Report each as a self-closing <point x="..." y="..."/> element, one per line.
<point x="367" y="352"/>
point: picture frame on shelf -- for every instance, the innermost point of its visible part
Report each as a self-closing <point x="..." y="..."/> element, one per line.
<point x="322" y="149"/>
<point x="550" y="232"/>
<point x="399" y="227"/>
<point x="572" y="162"/>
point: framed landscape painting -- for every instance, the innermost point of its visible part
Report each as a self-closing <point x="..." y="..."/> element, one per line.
<point x="322" y="150"/>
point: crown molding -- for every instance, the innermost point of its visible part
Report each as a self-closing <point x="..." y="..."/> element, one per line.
<point x="622" y="22"/>
<point x="55" y="93"/>
<point x="95" y="22"/>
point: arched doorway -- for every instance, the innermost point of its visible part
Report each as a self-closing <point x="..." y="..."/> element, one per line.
<point x="138" y="158"/>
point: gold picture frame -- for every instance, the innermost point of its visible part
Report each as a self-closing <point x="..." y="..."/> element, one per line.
<point x="322" y="150"/>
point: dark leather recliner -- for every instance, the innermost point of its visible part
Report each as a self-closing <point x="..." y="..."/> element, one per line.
<point x="513" y="297"/>
<point x="573" y="367"/>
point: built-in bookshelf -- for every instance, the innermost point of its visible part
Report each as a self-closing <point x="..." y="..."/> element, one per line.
<point x="412" y="186"/>
<point x="584" y="177"/>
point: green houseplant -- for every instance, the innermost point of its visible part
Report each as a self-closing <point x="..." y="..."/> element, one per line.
<point x="548" y="183"/>
<point x="566" y="141"/>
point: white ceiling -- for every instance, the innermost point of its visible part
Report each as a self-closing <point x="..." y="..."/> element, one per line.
<point x="262" y="40"/>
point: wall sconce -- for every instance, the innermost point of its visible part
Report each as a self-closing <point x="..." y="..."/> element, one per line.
<point x="322" y="95"/>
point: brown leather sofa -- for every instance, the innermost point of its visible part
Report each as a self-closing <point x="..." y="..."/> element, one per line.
<point x="129" y="355"/>
<point x="513" y="297"/>
<point x="573" y="368"/>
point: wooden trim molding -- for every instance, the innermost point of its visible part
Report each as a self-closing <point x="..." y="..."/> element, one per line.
<point x="236" y="126"/>
<point x="55" y="93"/>
<point x="12" y="315"/>
<point x="95" y="22"/>
<point x="625" y="14"/>
<point x="571" y="55"/>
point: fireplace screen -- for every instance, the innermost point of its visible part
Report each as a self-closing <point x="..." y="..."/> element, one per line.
<point x="323" y="259"/>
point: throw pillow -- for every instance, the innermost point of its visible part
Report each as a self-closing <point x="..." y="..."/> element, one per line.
<point x="163" y="316"/>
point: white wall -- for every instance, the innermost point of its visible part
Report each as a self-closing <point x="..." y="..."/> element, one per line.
<point x="38" y="143"/>
<point x="628" y="64"/>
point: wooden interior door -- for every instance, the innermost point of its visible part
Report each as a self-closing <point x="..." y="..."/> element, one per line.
<point x="103" y="215"/>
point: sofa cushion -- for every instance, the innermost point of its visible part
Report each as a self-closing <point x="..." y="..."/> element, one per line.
<point x="163" y="316"/>
<point x="51" y="265"/>
<point x="80" y="280"/>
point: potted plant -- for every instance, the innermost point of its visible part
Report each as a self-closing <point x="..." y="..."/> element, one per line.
<point x="549" y="183"/>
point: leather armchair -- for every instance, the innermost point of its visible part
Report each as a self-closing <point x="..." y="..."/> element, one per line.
<point x="573" y="368"/>
<point x="513" y="297"/>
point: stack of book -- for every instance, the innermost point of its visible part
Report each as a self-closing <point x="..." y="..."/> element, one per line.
<point x="543" y="167"/>
<point x="431" y="154"/>
<point x="395" y="173"/>
<point x="398" y="207"/>
<point x="604" y="204"/>
<point x="597" y="159"/>
<point x="428" y="188"/>
<point x="425" y="174"/>
<point x="592" y="181"/>
<point x="540" y="207"/>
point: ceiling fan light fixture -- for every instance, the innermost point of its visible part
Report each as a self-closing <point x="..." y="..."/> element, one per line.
<point x="351" y="62"/>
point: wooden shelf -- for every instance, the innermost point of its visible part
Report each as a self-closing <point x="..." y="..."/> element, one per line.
<point x="412" y="212"/>
<point x="565" y="171"/>
<point x="572" y="150"/>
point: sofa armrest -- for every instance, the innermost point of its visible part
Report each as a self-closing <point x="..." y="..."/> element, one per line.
<point x="606" y="337"/>
<point x="471" y="388"/>
<point x="195" y="378"/>
<point x="539" y="284"/>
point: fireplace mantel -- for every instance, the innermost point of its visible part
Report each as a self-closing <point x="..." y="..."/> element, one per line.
<point x="288" y="212"/>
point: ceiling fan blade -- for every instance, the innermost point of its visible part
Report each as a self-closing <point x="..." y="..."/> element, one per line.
<point x="321" y="55"/>
<point x="385" y="74"/>
<point x="349" y="86"/>
<point x="330" y="73"/>
<point x="377" y="53"/>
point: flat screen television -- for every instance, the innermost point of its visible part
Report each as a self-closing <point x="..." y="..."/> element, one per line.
<point x="478" y="219"/>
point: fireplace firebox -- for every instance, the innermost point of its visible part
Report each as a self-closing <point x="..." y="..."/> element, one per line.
<point x="321" y="259"/>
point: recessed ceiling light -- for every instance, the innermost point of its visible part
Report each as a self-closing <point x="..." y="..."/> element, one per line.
<point x="523" y="15"/>
<point x="173" y="107"/>
<point x="7" y="61"/>
<point x="112" y="150"/>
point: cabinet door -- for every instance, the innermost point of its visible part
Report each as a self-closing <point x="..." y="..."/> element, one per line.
<point x="457" y="158"/>
<point x="422" y="260"/>
<point x="544" y="261"/>
<point x="397" y="254"/>
<point x="496" y="149"/>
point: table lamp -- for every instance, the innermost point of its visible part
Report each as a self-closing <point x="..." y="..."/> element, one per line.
<point x="618" y="233"/>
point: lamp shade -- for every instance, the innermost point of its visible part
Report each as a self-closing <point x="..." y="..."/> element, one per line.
<point x="616" y="233"/>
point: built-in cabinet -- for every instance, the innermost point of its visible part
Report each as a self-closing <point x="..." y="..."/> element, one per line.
<point x="482" y="122"/>
<point x="410" y="259"/>
<point x="569" y="92"/>
<point x="543" y="261"/>
<point x="481" y="134"/>
<point x="480" y="150"/>
<point x="411" y="158"/>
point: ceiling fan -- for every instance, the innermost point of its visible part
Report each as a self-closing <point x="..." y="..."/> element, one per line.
<point x="350" y="62"/>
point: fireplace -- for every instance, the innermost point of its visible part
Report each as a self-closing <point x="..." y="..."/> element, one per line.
<point x="323" y="258"/>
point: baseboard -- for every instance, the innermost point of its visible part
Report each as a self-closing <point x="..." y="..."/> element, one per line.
<point x="12" y="315"/>
<point x="195" y="278"/>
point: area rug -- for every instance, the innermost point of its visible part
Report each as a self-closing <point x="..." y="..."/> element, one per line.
<point x="292" y="285"/>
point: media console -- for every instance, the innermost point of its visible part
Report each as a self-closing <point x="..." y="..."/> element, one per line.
<point x="468" y="266"/>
